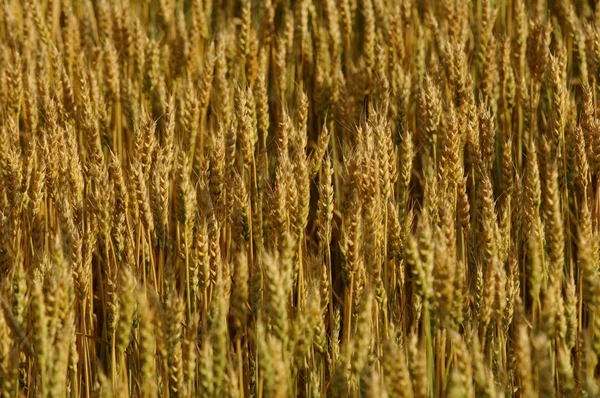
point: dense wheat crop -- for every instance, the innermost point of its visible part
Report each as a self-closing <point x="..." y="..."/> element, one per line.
<point x="316" y="198"/>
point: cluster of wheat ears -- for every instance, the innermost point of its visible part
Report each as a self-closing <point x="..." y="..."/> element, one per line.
<point x="277" y="198"/>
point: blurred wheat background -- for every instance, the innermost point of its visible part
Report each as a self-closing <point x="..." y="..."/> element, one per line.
<point x="315" y="198"/>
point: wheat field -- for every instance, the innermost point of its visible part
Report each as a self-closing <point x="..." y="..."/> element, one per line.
<point x="312" y="198"/>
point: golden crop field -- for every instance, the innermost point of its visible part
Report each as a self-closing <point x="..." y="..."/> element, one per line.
<point x="313" y="198"/>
